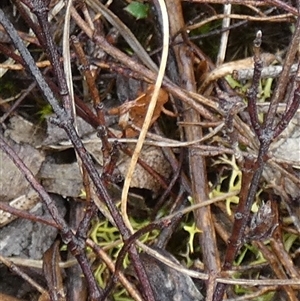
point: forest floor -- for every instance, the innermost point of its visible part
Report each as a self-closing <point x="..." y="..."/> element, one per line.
<point x="149" y="150"/>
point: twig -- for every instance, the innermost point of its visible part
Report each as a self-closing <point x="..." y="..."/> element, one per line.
<point x="265" y="133"/>
<point x="193" y="99"/>
<point x="197" y="166"/>
<point x="254" y="3"/>
<point x="150" y="111"/>
<point x="160" y="224"/>
<point x="225" y="35"/>
<point x="125" y="31"/>
<point x="253" y="91"/>
<point x="64" y="120"/>
<point x="20" y="273"/>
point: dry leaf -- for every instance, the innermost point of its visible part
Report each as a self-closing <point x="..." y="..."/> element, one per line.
<point x="135" y="111"/>
<point x="263" y="223"/>
<point x="53" y="273"/>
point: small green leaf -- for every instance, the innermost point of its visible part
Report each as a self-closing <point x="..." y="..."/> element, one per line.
<point x="138" y="10"/>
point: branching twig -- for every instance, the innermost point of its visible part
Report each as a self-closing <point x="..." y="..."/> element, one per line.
<point x="64" y="120"/>
<point x="252" y="171"/>
<point x="253" y="91"/>
<point x="66" y="233"/>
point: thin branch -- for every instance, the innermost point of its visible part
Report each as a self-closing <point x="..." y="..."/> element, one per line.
<point x="253" y="91"/>
<point x="64" y="120"/>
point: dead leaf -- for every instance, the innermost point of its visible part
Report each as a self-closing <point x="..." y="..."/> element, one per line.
<point x="135" y="111"/>
<point x="263" y="223"/>
<point x="53" y="274"/>
<point x="44" y="297"/>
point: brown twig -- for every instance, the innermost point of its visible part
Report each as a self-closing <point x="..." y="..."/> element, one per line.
<point x="66" y="233"/>
<point x="254" y="3"/>
<point x="64" y="120"/>
<point x="192" y="99"/>
<point x="160" y="224"/>
<point x="252" y="171"/>
<point x="197" y="165"/>
<point x="20" y="273"/>
<point x="26" y="215"/>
